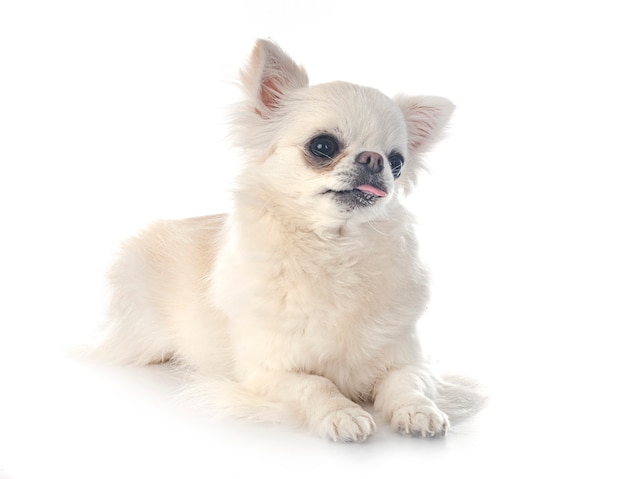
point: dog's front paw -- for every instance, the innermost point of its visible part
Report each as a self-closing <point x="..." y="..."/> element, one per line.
<point x="350" y="424"/>
<point x="420" y="420"/>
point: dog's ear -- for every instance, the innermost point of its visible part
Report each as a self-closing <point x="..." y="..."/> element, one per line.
<point x="270" y="74"/>
<point x="425" y="117"/>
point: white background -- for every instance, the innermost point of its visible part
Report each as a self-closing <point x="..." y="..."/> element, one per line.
<point x="113" y="114"/>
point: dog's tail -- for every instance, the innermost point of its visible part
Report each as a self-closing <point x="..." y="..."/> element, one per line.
<point x="459" y="397"/>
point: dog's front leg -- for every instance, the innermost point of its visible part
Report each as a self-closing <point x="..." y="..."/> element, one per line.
<point x="401" y="396"/>
<point x="322" y="406"/>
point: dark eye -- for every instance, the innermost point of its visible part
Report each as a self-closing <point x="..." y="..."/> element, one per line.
<point x="396" y="161"/>
<point x="324" y="147"/>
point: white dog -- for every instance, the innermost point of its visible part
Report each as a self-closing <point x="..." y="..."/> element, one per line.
<point x="301" y="304"/>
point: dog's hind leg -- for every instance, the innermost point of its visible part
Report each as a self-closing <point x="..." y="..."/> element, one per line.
<point x="135" y="332"/>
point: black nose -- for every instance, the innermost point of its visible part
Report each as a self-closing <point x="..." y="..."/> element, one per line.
<point x="371" y="161"/>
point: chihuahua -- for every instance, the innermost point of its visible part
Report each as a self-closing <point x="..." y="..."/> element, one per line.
<point x="301" y="304"/>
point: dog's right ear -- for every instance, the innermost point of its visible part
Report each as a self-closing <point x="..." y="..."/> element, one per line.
<point x="270" y="74"/>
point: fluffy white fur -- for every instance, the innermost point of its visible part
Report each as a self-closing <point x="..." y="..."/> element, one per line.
<point x="296" y="306"/>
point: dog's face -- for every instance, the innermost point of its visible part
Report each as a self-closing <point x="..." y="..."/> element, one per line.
<point x="338" y="148"/>
<point x="329" y="153"/>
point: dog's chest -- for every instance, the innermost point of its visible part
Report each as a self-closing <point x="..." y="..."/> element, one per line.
<point x="333" y="309"/>
<point x="344" y="302"/>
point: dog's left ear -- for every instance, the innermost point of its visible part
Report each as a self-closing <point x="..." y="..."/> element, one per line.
<point x="270" y="74"/>
<point x="425" y="117"/>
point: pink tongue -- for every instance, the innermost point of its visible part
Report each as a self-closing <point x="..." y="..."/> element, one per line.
<point x="372" y="190"/>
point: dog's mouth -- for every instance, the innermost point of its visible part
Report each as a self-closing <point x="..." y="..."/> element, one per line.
<point x="363" y="195"/>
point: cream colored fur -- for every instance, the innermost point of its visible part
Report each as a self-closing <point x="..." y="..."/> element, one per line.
<point x="296" y="307"/>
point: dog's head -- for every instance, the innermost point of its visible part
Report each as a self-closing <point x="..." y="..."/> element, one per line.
<point x="332" y="152"/>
